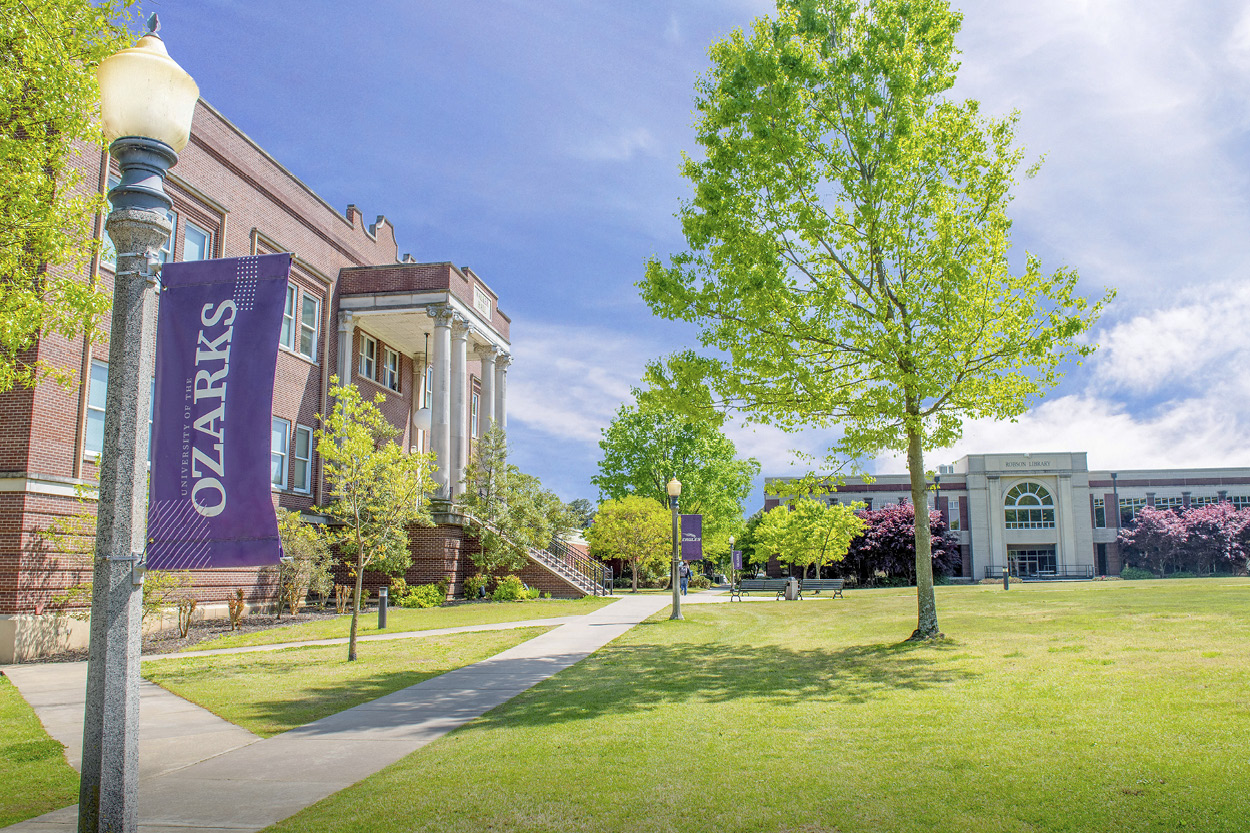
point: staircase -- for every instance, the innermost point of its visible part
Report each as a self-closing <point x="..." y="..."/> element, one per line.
<point x="587" y="575"/>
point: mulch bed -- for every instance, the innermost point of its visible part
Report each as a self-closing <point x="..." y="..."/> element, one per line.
<point x="169" y="642"/>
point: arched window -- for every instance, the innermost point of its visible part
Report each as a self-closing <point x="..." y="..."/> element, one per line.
<point x="1029" y="506"/>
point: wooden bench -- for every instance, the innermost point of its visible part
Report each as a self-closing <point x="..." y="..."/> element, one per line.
<point x="816" y="585"/>
<point x="759" y="585"/>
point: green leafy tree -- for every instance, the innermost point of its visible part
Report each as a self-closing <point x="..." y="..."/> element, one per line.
<point x="306" y="561"/>
<point x="643" y="450"/>
<point x="636" y="528"/>
<point x="582" y="512"/>
<point x="378" y="491"/>
<point x="849" y="244"/>
<point x="509" y="511"/>
<point x="49" y="103"/>
<point x="809" y="534"/>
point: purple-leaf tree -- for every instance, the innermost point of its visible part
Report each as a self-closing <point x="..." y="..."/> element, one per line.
<point x="1216" y="537"/>
<point x="888" y="545"/>
<point x="1155" y="540"/>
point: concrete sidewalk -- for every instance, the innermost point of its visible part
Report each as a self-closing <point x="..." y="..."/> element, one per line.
<point x="255" y="783"/>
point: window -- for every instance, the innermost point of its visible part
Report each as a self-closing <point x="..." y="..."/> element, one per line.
<point x="474" y="420"/>
<point x="429" y="387"/>
<point x="95" y="406"/>
<point x="197" y="244"/>
<point x="301" y="460"/>
<point x="953" y="512"/>
<point x="166" y="254"/>
<point x="279" y="436"/>
<point x="1029" y="506"/>
<point x="1129" y="507"/>
<point x="108" y="252"/>
<point x="368" y="357"/>
<point x="390" y="372"/>
<point x="1100" y="513"/>
<point x="287" y="336"/>
<point x="1203" y="500"/>
<point x="1174" y="504"/>
<point x="1240" y="501"/>
<point x="97" y="393"/>
<point x="309" y="325"/>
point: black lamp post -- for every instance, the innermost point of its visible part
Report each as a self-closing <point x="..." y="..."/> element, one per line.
<point x="674" y="492"/>
<point x="146" y="105"/>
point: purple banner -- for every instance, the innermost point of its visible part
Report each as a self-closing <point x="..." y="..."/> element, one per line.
<point x="209" y="500"/>
<point x="736" y="555"/>
<point x="692" y="537"/>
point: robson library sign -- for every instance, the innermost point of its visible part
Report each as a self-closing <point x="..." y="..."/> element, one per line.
<point x="209" y="502"/>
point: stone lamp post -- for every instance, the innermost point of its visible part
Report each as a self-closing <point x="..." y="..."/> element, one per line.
<point x="674" y="492"/>
<point x="146" y="105"/>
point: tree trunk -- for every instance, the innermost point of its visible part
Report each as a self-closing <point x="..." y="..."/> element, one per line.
<point x="360" y="582"/>
<point x="633" y="573"/>
<point x="927" y="624"/>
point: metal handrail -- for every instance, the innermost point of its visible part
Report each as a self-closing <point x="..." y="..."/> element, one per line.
<point x="577" y="569"/>
<point x="996" y="571"/>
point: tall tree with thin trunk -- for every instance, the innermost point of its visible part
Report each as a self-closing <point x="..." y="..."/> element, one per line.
<point x="849" y="245"/>
<point x="378" y="491"/>
<point x="634" y="528"/>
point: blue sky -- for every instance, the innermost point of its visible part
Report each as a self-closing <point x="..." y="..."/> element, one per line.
<point x="538" y="141"/>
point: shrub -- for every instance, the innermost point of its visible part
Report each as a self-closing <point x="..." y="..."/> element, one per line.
<point x="399" y="587"/>
<point x="1134" y="573"/>
<point x="509" y="589"/>
<point x="475" y="586"/>
<point x="531" y="592"/>
<point x="236" y="606"/>
<point x="700" y="583"/>
<point x="1182" y="574"/>
<point x="425" y="595"/>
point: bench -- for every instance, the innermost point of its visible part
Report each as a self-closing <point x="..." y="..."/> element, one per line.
<point x="759" y="585"/>
<point x="815" y="585"/>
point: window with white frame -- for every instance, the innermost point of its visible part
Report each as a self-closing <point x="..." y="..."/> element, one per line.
<point x="429" y="387"/>
<point x="309" y="325"/>
<point x="301" y="459"/>
<point x="166" y="254"/>
<point x="390" y="369"/>
<point x="1129" y="507"/>
<point x="952" y="511"/>
<point x="1202" y="500"/>
<point x="279" y="439"/>
<point x="1029" y="506"/>
<point x="197" y="243"/>
<point x="1240" y="501"/>
<point x="1175" y="504"/>
<point x="474" y="417"/>
<point x="95" y="406"/>
<point x="368" y="357"/>
<point x="286" y="337"/>
<point x="1100" y="513"/>
<point x="108" y="252"/>
<point x="97" y="390"/>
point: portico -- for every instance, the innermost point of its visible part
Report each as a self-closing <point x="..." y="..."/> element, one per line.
<point x="404" y="307"/>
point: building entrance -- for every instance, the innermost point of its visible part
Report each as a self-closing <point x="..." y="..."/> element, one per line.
<point x="1032" y="561"/>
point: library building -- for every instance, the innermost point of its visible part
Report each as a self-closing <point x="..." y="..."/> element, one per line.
<point x="1046" y="516"/>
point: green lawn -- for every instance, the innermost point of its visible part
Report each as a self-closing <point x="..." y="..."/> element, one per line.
<point x="402" y="619"/>
<point x="1116" y="706"/>
<point x="272" y="691"/>
<point x="33" y="771"/>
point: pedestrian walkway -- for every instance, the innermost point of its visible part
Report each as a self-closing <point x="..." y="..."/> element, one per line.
<point x="256" y="783"/>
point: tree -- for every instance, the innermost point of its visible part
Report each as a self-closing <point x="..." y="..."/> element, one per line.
<point x="888" y="545"/>
<point x="635" y="528"/>
<point x="1217" y="535"/>
<point x="49" y="51"/>
<point x="809" y="534"/>
<point x="643" y="450"/>
<point x="849" y="245"/>
<point x="306" y="561"/>
<point x="509" y="511"/>
<point x="378" y="491"/>
<point x="582" y="512"/>
<point x="1154" y="539"/>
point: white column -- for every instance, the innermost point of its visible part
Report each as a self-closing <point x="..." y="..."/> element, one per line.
<point x="501" y="389"/>
<point x="486" y="410"/>
<point x="459" y="413"/>
<point x="440" y="406"/>
<point x="347" y="346"/>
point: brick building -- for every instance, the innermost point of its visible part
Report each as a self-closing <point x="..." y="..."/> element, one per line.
<point x="355" y="308"/>
<point x="1046" y="515"/>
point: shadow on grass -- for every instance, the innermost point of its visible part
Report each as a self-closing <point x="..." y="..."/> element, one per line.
<point x="650" y="675"/>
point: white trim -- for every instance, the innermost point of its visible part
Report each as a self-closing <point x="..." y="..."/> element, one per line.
<point x="46" y="486"/>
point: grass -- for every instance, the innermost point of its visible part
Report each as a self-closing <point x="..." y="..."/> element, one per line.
<point x="33" y="770"/>
<point x="1049" y="709"/>
<point x="272" y="691"/>
<point x="402" y="620"/>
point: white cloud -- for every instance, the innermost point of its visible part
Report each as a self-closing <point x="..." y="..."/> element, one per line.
<point x="618" y="147"/>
